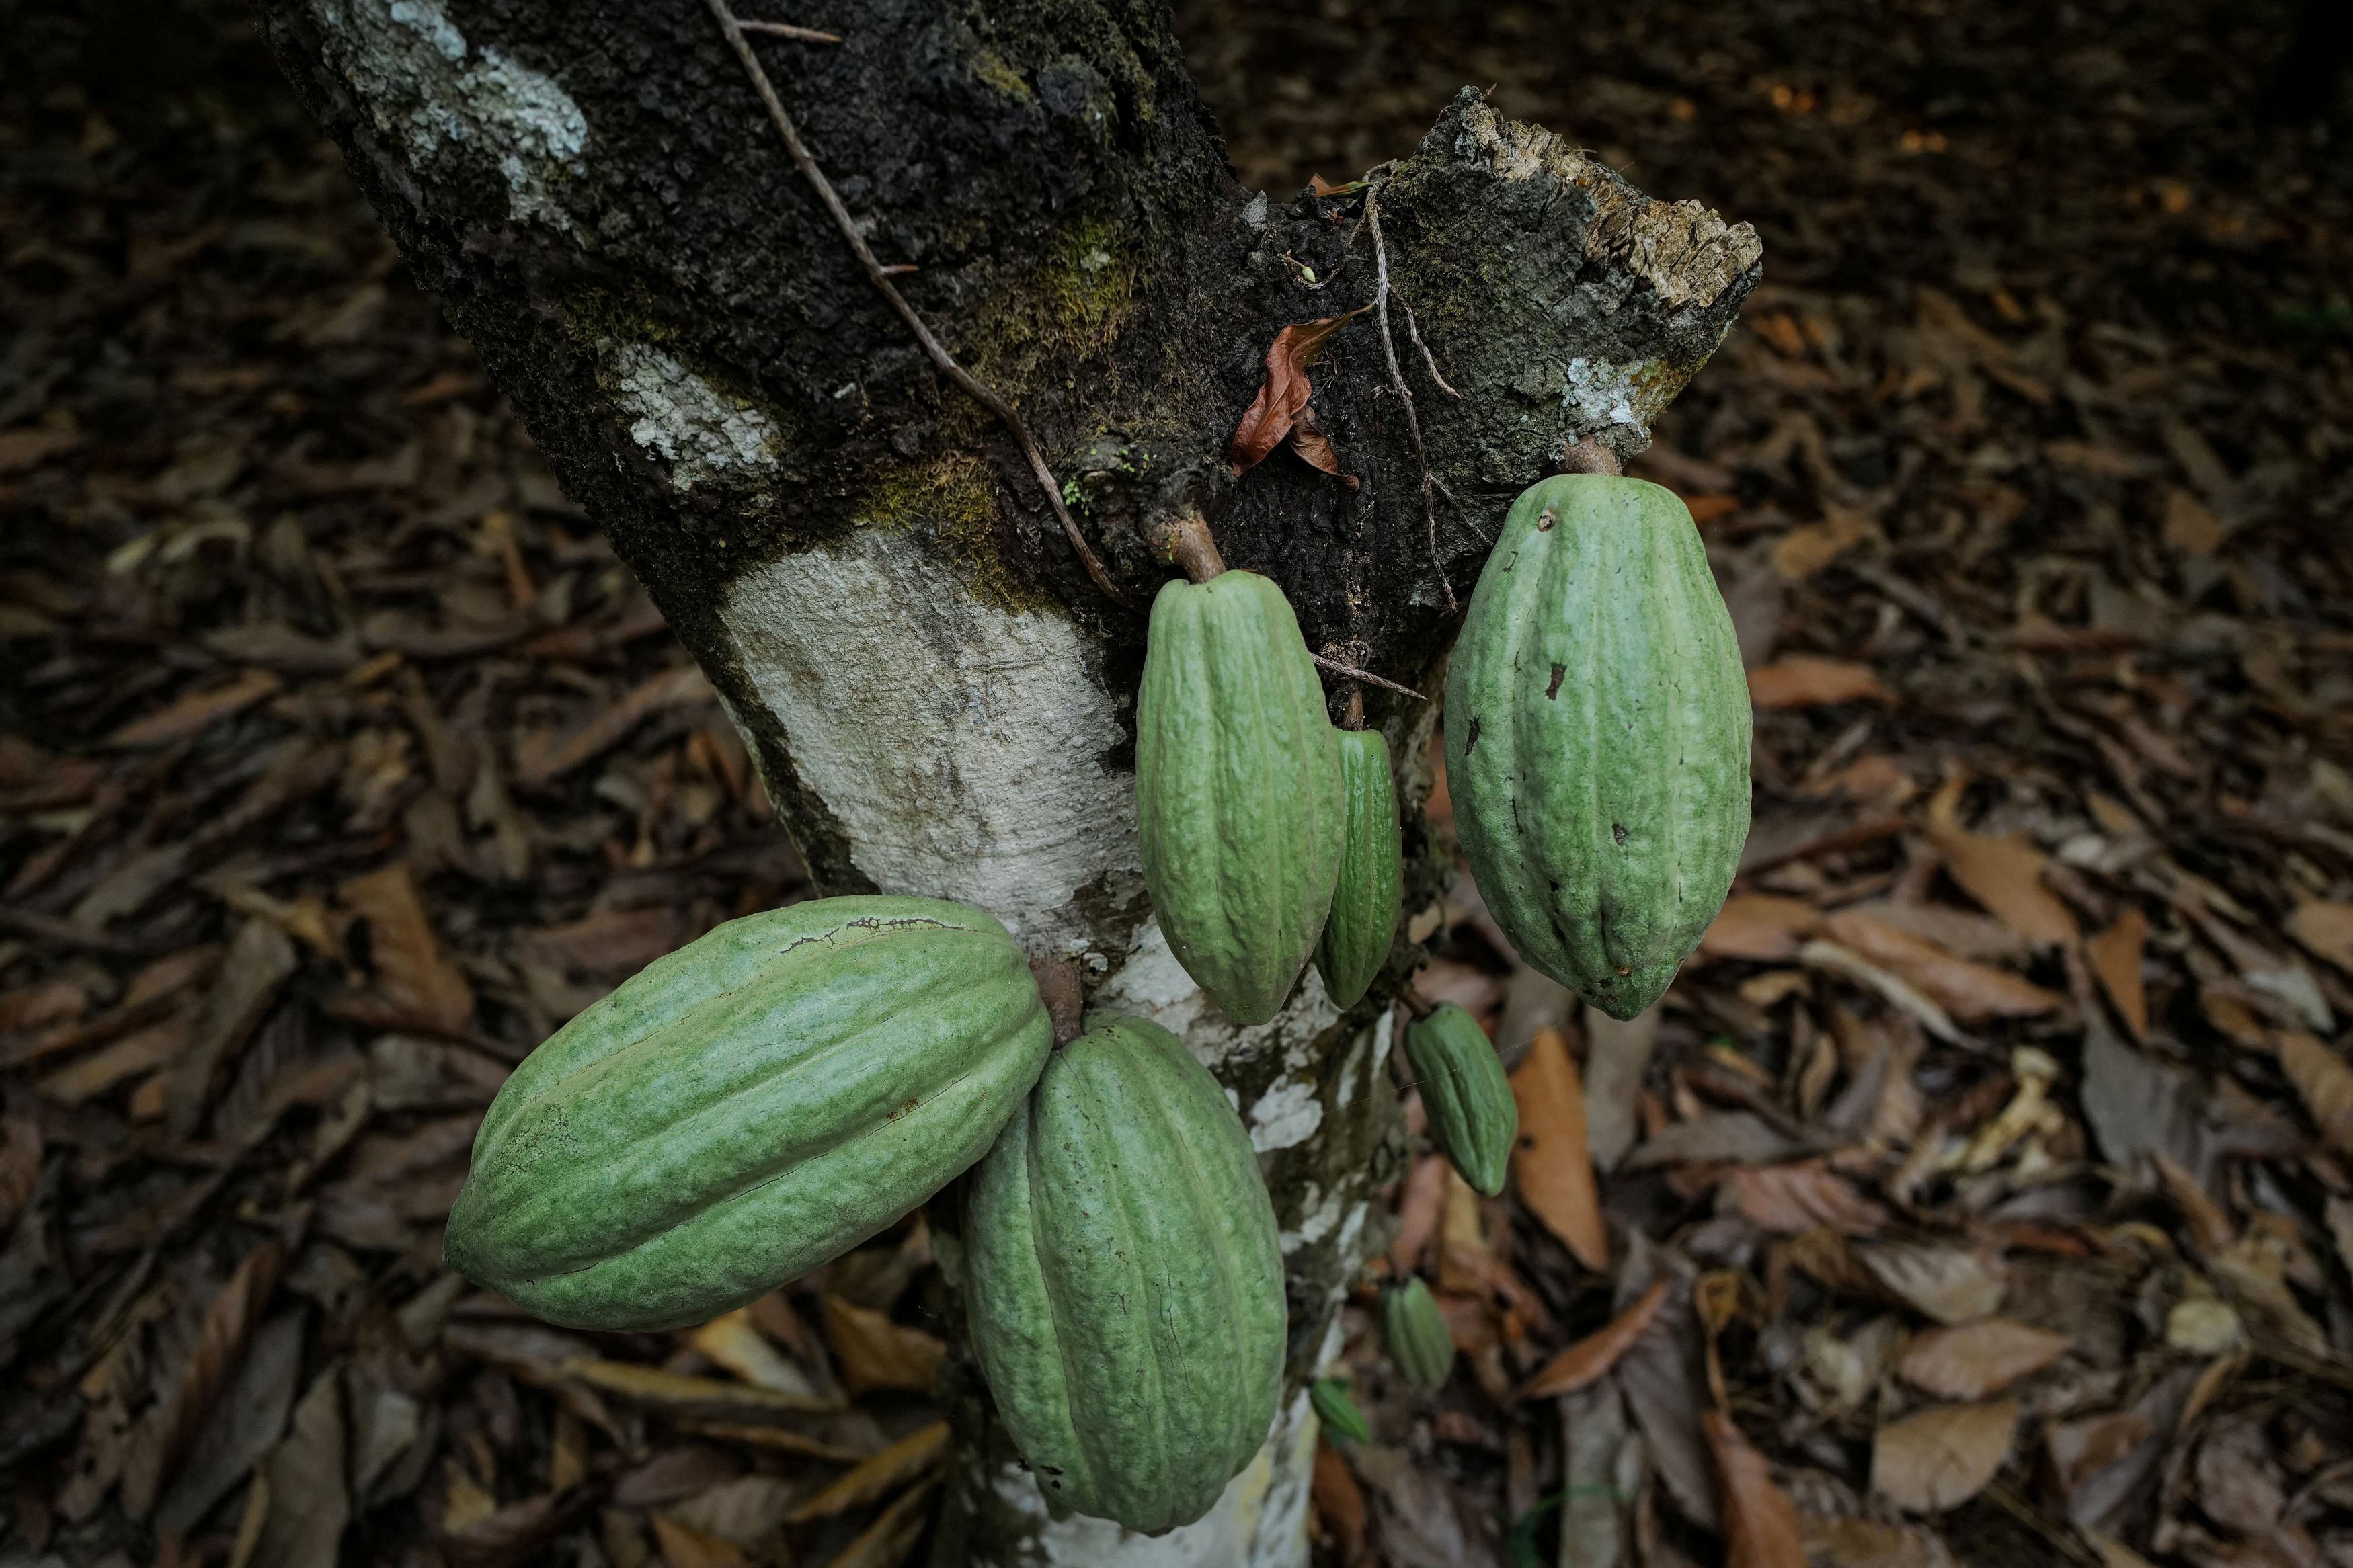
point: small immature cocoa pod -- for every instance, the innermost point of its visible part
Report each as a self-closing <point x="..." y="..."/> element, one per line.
<point x="1337" y="1411"/>
<point x="1415" y="1333"/>
<point x="1472" y="1116"/>
<point x="1371" y="889"/>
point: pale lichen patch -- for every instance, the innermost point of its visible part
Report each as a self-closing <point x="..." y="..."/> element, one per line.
<point x="452" y="102"/>
<point x="701" y="432"/>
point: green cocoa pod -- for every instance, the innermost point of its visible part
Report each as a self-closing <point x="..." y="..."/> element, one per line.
<point x="746" y="1108"/>
<point x="1596" y="737"/>
<point x="1237" y="793"/>
<point x="1473" y="1115"/>
<point x="1125" y="1282"/>
<point x="1371" y="889"/>
<point x="1420" y="1344"/>
<point x="1338" y="1412"/>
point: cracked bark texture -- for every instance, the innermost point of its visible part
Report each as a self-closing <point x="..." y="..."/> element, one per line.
<point x="857" y="554"/>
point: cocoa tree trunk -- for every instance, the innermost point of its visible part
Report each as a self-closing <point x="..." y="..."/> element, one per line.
<point x="857" y="553"/>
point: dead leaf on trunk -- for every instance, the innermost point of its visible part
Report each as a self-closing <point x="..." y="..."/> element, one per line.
<point x="1760" y="1522"/>
<point x="1974" y="1360"/>
<point x="1284" y="393"/>
<point x="1944" y="1455"/>
<point x="1593" y="1356"/>
<point x="1551" y="1164"/>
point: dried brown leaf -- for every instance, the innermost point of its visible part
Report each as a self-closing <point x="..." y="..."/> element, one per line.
<point x="683" y="1546"/>
<point x="20" y="1164"/>
<point x="2116" y="955"/>
<point x="1801" y="1197"/>
<point x="413" y="970"/>
<point x="259" y="960"/>
<point x="703" y="1399"/>
<point x="1971" y="993"/>
<point x="230" y="1323"/>
<point x="2323" y="1080"/>
<point x="1762" y="927"/>
<point x="1551" y="1164"/>
<point x="1593" y="1356"/>
<point x="1806" y="680"/>
<point x="1271" y="415"/>
<point x="309" y="1499"/>
<point x="1616" y="1060"/>
<point x="197" y="712"/>
<point x="1974" y="1360"/>
<point x="1419" y="1212"/>
<point x="2005" y="875"/>
<point x="2326" y="930"/>
<point x="542" y="758"/>
<point x="890" y="1539"/>
<point x="1946" y="1283"/>
<point x="1716" y="1138"/>
<point x="1944" y="1455"/>
<point x="748" y="1510"/>
<point x="732" y="1340"/>
<point x="1339" y="1506"/>
<point x="875" y="1352"/>
<point x="1760" y="1522"/>
<point x="870" y="1480"/>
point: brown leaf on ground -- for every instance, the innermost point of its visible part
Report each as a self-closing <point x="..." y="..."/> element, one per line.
<point x="1419" y="1209"/>
<point x="1662" y="1374"/>
<point x="1974" y="1360"/>
<point x="890" y="1539"/>
<point x="1593" y="1356"/>
<point x="1944" y="1455"/>
<point x="1807" y="680"/>
<point x="875" y="1352"/>
<point x="1551" y="1164"/>
<point x="162" y="1440"/>
<point x="413" y="970"/>
<point x="543" y="757"/>
<point x="1421" y="1520"/>
<point x="749" y="1510"/>
<point x="1763" y="927"/>
<point x="701" y="1398"/>
<point x="2325" y="1083"/>
<point x="2004" y="873"/>
<point x="910" y="1457"/>
<point x="2326" y="930"/>
<point x="1793" y="1198"/>
<point x="1971" y="993"/>
<point x="1946" y="1283"/>
<point x="1715" y="1137"/>
<point x="21" y="1147"/>
<point x="309" y="1500"/>
<point x="1339" y="1505"/>
<point x="1760" y="1522"/>
<point x="197" y="712"/>
<point x="734" y="1342"/>
<point x="259" y="960"/>
<point x="1844" y="1542"/>
<point x="1616" y="1060"/>
<point x="1284" y="393"/>
<point x="683" y="1546"/>
<point x="2115" y="956"/>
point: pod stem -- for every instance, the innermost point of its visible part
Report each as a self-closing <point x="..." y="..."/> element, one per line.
<point x="1065" y="997"/>
<point x="1418" y="1004"/>
<point x="1354" y="718"/>
<point x="1588" y="455"/>
<point x="1185" y="542"/>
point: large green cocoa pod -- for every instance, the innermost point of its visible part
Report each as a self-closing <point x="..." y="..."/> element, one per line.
<point x="1471" y="1113"/>
<point x="1237" y="793"/>
<point x="746" y="1108"/>
<point x="1415" y="1333"/>
<point x="1371" y="889"/>
<point x="1596" y="737"/>
<point x="1125" y="1282"/>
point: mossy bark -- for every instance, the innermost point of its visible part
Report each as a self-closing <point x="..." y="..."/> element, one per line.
<point x="857" y="555"/>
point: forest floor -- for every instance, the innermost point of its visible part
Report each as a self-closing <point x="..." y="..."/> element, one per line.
<point x="1990" y="1174"/>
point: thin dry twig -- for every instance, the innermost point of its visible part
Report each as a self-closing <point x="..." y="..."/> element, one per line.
<point x="786" y="30"/>
<point x="974" y="387"/>
<point x="1397" y="380"/>
<point x="1367" y="675"/>
<point x="1413" y="331"/>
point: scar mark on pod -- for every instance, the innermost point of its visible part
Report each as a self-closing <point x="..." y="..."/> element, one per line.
<point x="1553" y="692"/>
<point x="1470" y="737"/>
<point x="869" y="923"/>
<point x="1550" y="516"/>
<point x="1618" y="831"/>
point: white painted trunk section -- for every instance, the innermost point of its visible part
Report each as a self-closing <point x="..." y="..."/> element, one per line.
<point x="958" y="745"/>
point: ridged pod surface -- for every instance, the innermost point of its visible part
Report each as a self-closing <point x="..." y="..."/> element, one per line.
<point x="1596" y="737"/>
<point x="1473" y="1115"/>
<point x="1371" y="888"/>
<point x="1238" y="792"/>
<point x="1124" y="1281"/>
<point x="1415" y="1333"/>
<point x="746" y="1108"/>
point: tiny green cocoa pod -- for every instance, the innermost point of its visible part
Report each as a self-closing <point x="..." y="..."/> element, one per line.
<point x="1337" y="1410"/>
<point x="1238" y="789"/>
<point x="1124" y="1281"/>
<point x="1414" y="1331"/>
<point x="1471" y="1113"/>
<point x="1371" y="888"/>
<point x="1596" y="737"/>
<point x="746" y="1108"/>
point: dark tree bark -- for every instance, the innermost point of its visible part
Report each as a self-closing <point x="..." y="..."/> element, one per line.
<point x="855" y="552"/>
